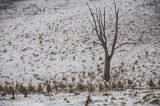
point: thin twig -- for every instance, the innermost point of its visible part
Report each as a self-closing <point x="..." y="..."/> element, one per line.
<point x="122" y="45"/>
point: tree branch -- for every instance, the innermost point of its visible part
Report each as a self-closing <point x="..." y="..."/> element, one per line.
<point x="122" y="45"/>
<point x="116" y="32"/>
<point x="96" y="43"/>
<point x="99" y="26"/>
<point x="95" y="24"/>
<point x="104" y="21"/>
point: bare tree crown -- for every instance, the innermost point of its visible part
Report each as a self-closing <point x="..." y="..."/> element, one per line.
<point x="99" y="25"/>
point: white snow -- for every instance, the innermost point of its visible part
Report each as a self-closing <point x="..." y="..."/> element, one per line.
<point x="42" y="37"/>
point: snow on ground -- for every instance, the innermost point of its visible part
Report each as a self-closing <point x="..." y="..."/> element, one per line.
<point x="42" y="38"/>
<point x="123" y="98"/>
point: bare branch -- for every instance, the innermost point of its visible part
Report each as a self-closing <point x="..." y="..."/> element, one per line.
<point x="96" y="43"/>
<point x="94" y="20"/>
<point x="99" y="24"/>
<point x="100" y="27"/>
<point x="92" y="24"/>
<point x="116" y="33"/>
<point x="122" y="45"/>
<point x="104" y="21"/>
<point x="95" y="24"/>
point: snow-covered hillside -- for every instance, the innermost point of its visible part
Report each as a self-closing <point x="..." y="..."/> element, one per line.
<point x="42" y="38"/>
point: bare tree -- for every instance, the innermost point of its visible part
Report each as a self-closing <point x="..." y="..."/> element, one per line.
<point x="99" y="25"/>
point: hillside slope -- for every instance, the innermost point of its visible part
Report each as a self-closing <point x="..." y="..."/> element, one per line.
<point x="49" y="37"/>
<point x="41" y="39"/>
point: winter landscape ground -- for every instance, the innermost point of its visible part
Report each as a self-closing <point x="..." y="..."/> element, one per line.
<point x="48" y="40"/>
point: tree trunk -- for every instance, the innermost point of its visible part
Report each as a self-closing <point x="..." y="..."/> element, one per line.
<point x="107" y="67"/>
<point x="99" y="26"/>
